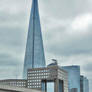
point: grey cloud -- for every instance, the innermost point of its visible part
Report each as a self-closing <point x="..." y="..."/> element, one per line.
<point x="88" y="67"/>
<point x="66" y="8"/>
<point x="7" y="59"/>
<point x="66" y="44"/>
<point x="56" y="17"/>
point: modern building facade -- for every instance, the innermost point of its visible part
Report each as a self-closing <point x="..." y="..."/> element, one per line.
<point x="14" y="82"/>
<point x="84" y="84"/>
<point x="73" y="76"/>
<point x="34" y="55"/>
<point x="48" y="79"/>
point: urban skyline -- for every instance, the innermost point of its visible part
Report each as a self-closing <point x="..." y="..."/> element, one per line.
<point x="65" y="57"/>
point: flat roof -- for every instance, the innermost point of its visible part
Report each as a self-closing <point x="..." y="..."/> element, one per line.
<point x="48" y="67"/>
<point x="17" y="89"/>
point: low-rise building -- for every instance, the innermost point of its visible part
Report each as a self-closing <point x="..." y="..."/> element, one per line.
<point x="14" y="82"/>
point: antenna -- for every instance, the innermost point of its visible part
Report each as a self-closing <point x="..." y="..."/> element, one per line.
<point x="55" y="61"/>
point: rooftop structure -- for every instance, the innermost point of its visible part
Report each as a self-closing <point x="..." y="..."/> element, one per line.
<point x="54" y="63"/>
<point x="34" y="55"/>
<point x="48" y="79"/>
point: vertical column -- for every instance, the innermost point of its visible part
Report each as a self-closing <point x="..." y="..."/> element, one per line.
<point x="56" y="85"/>
<point x="45" y="86"/>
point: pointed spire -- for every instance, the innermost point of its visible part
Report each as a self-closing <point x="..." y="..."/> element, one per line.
<point x="34" y="55"/>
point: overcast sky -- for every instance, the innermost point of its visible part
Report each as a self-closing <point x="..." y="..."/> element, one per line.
<point x="66" y="28"/>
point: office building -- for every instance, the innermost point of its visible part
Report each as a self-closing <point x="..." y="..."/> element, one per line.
<point x="48" y="79"/>
<point x="84" y="84"/>
<point x="34" y="55"/>
<point x="73" y="76"/>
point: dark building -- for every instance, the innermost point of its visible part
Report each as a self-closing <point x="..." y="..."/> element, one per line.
<point x="84" y="84"/>
<point x="74" y="90"/>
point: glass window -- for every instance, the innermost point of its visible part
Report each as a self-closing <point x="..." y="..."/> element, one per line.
<point x="50" y="87"/>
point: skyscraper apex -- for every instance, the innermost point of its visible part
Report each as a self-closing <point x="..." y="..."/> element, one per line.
<point x="34" y="55"/>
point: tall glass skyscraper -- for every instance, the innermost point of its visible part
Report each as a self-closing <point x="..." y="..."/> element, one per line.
<point x="34" y="55"/>
<point x="73" y="77"/>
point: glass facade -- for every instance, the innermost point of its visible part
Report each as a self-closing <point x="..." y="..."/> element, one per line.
<point x="73" y="76"/>
<point x="84" y="84"/>
<point x="61" y="86"/>
<point x="34" y="55"/>
<point x="50" y="86"/>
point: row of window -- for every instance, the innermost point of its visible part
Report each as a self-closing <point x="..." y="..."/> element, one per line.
<point x="34" y="86"/>
<point x="38" y="71"/>
<point x="34" y="83"/>
<point x="34" y="80"/>
<point x="14" y="82"/>
<point x="35" y="74"/>
<point x="17" y="85"/>
<point x="37" y="77"/>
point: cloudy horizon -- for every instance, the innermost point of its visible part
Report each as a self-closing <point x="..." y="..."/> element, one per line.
<point x="66" y="28"/>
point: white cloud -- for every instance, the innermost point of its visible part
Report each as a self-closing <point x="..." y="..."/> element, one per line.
<point x="82" y="22"/>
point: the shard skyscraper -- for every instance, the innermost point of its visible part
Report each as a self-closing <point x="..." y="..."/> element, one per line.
<point x="34" y="55"/>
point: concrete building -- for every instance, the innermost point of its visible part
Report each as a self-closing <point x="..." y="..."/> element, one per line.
<point x="34" y="55"/>
<point x="14" y="82"/>
<point x="73" y="76"/>
<point x="6" y="88"/>
<point x="48" y="79"/>
<point x="84" y="84"/>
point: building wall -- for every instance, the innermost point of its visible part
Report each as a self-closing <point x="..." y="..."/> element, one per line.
<point x="64" y="76"/>
<point x="7" y="88"/>
<point x="73" y="76"/>
<point x="14" y="82"/>
<point x="84" y="84"/>
<point x="81" y="84"/>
